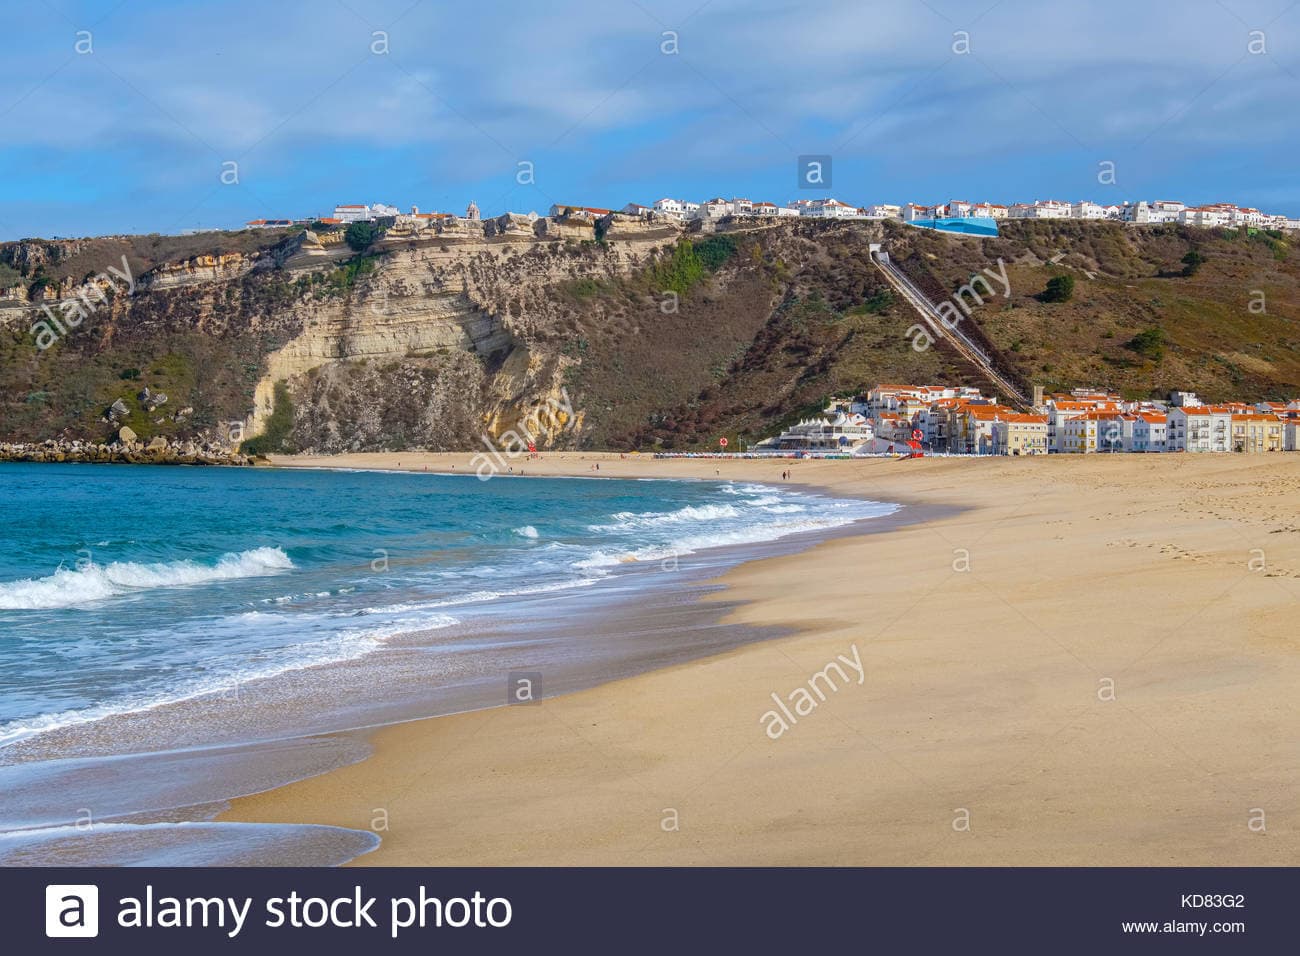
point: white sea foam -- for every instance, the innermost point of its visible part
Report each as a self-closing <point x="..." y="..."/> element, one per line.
<point x="698" y="528"/>
<point x="625" y="521"/>
<point x="527" y="531"/>
<point x="341" y="646"/>
<point x="72" y="588"/>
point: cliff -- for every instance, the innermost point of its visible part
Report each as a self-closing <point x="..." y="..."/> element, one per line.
<point x="656" y="335"/>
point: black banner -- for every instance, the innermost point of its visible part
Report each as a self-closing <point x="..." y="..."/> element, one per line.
<point x="195" y="911"/>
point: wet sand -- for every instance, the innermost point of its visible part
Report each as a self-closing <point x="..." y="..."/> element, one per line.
<point x="1093" y="662"/>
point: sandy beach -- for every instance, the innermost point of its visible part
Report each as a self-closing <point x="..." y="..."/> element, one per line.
<point x="1094" y="662"/>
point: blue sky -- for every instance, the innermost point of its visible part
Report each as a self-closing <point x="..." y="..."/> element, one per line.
<point x="612" y="101"/>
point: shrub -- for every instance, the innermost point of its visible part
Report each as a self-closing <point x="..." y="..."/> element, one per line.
<point x="1192" y="263"/>
<point x="882" y="301"/>
<point x="1149" y="343"/>
<point x="1059" y="289"/>
<point x="714" y="251"/>
<point x="680" y="272"/>
<point x="360" y="236"/>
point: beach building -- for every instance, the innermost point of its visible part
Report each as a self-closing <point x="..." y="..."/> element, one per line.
<point x="836" y="431"/>
<point x="1253" y="433"/>
<point x="970" y="429"/>
<point x="1199" y="428"/>
<point x="935" y="422"/>
<point x="1291" y="431"/>
<point x="1150" y="432"/>
<point x="1061" y="409"/>
<point x="1019" y="434"/>
<point x="1078" y="435"/>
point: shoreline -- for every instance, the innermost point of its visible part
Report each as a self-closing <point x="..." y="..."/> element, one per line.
<point x="645" y="621"/>
<point x="980" y="691"/>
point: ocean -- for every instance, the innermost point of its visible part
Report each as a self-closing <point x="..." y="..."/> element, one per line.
<point x="174" y="637"/>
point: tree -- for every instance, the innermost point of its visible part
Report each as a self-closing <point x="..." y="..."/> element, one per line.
<point x="1192" y="262"/>
<point x="362" y="235"/>
<point x="1059" y="289"/>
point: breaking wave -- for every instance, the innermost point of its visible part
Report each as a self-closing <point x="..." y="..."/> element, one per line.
<point x="75" y="587"/>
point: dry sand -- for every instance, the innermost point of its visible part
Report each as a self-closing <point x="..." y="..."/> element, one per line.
<point x="984" y="731"/>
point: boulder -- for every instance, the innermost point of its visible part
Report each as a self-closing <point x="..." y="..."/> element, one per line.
<point x="117" y="410"/>
<point x="125" y="436"/>
<point x="157" y="444"/>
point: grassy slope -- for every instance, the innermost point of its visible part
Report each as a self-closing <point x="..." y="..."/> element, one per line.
<point x="813" y="345"/>
<point x="1216" y="345"/>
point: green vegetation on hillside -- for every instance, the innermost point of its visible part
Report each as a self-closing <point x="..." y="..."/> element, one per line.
<point x="279" y="427"/>
<point x="1149" y="343"/>
<point x="1059" y="289"/>
<point x="360" y="236"/>
<point x="1192" y="263"/>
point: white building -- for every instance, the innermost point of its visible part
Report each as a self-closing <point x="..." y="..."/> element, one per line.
<point x="885" y="211"/>
<point x="353" y="212"/>
<point x="1219" y="214"/>
<point x="1150" y="432"/>
<point x="768" y="209"/>
<point x="1162" y="210"/>
<point x="714" y="209"/>
<point x="838" y="432"/>
<point x="1248" y="216"/>
<point x="677" y="208"/>
<point x="1087" y="210"/>
<point x="1199" y="428"/>
<point x="1042" y="209"/>
<point x="828" y="209"/>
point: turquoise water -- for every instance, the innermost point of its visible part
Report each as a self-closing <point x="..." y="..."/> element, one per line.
<point x="127" y="593"/>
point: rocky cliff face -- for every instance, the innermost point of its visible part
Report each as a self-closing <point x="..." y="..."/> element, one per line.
<point x="432" y="340"/>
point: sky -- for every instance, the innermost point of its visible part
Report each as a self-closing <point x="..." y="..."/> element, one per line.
<point x="151" y="116"/>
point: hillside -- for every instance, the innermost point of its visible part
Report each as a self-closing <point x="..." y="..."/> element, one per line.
<point x="659" y="336"/>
